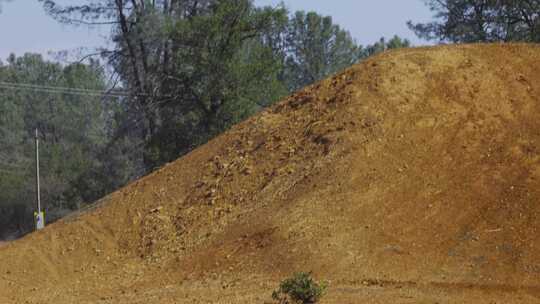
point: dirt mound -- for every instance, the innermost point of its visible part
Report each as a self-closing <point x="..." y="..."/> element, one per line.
<point x="413" y="177"/>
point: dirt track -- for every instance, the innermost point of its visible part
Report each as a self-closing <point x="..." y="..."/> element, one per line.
<point x="413" y="177"/>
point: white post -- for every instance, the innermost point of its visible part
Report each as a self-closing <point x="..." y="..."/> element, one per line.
<point x="39" y="216"/>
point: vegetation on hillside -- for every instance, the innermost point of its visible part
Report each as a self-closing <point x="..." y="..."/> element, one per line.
<point x="301" y="288"/>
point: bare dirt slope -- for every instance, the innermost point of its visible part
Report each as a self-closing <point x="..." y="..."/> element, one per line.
<point x="413" y="177"/>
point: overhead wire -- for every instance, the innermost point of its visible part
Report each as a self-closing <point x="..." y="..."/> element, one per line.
<point x="74" y="91"/>
<point x="60" y="90"/>
<point x="153" y="104"/>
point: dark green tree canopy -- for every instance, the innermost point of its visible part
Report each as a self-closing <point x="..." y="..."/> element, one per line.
<point x="316" y="48"/>
<point x="73" y="129"/>
<point x="481" y="21"/>
<point x="382" y="45"/>
<point x="191" y="65"/>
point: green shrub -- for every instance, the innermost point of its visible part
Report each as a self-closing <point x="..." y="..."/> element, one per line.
<point x="299" y="289"/>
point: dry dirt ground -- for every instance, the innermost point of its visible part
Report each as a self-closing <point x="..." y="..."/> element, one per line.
<point x="413" y="177"/>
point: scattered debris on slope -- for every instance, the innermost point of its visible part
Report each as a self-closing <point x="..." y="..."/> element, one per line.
<point x="413" y="175"/>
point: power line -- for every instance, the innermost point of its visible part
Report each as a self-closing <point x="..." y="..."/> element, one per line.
<point x="151" y="106"/>
<point x="18" y="84"/>
<point x="60" y="90"/>
<point x="73" y="91"/>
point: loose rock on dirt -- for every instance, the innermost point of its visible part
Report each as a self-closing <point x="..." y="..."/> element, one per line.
<point x="413" y="177"/>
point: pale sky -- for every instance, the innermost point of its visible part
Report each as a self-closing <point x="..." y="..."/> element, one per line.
<point x="24" y="26"/>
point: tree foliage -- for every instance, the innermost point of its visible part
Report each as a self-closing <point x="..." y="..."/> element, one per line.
<point x="188" y="64"/>
<point x="481" y="21"/>
<point x="73" y="130"/>
<point x="316" y="48"/>
<point x="383" y="45"/>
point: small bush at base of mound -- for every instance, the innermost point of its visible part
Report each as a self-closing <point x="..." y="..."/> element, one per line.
<point x="301" y="288"/>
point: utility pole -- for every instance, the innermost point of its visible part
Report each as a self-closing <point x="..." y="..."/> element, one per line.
<point x="38" y="215"/>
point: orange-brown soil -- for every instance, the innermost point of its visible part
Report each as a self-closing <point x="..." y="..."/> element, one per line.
<point x="413" y="177"/>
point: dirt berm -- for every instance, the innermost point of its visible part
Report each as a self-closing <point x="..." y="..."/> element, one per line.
<point x="413" y="177"/>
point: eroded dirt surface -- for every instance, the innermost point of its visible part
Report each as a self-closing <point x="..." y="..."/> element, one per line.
<point x="413" y="177"/>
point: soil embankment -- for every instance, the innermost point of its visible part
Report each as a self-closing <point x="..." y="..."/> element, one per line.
<point x="413" y="177"/>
